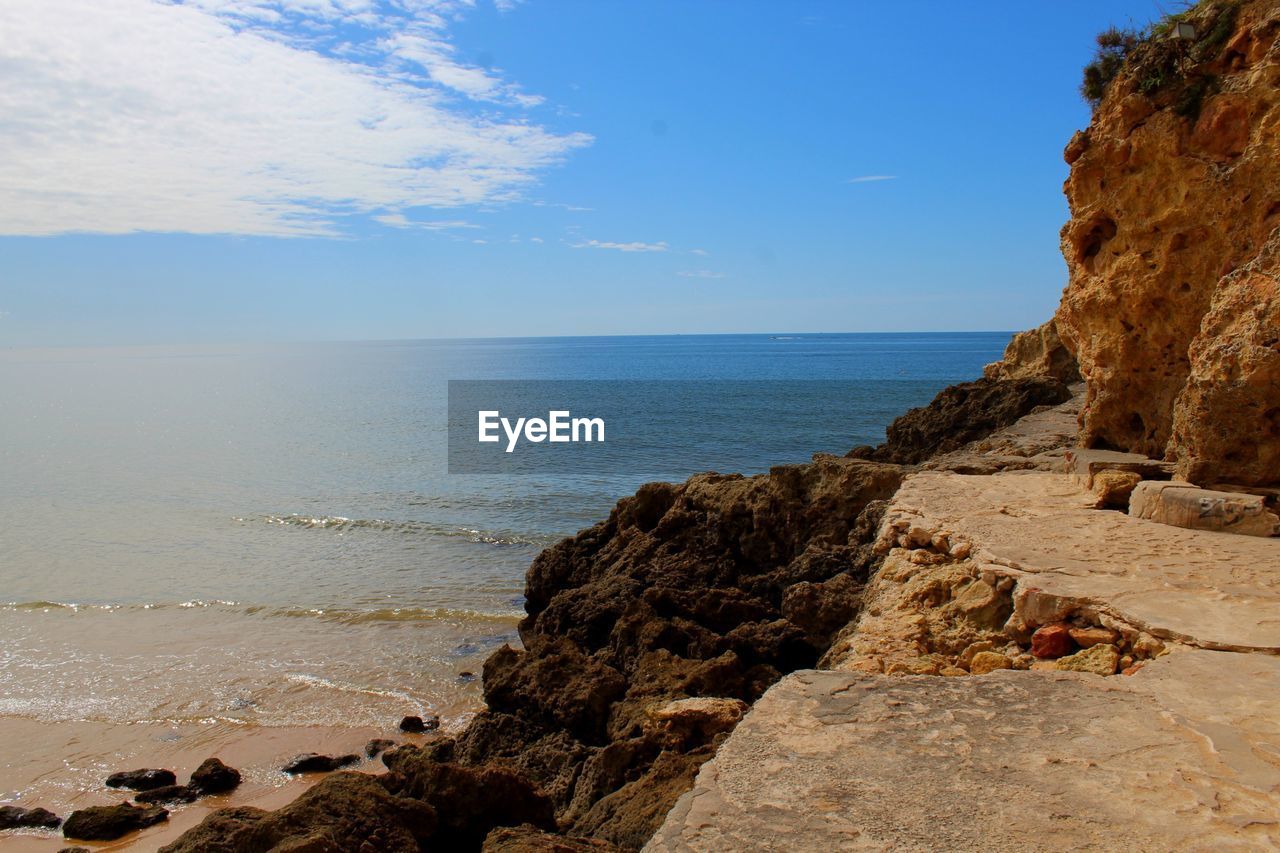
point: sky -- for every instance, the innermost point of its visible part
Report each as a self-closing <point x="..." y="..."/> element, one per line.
<point x="278" y="170"/>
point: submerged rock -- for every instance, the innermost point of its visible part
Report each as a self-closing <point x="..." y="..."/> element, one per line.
<point x="15" y="817"/>
<point x="214" y="777"/>
<point x="107" y="823"/>
<point x="312" y="762"/>
<point x="170" y="794"/>
<point x="418" y="725"/>
<point x="141" y="780"/>
<point x="377" y="746"/>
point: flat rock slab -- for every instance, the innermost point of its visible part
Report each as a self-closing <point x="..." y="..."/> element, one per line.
<point x="1183" y="755"/>
<point x="1209" y="589"/>
<point x="1186" y="505"/>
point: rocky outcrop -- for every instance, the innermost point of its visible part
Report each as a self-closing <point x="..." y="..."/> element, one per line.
<point x="107" y="823"/>
<point x="1037" y="352"/>
<point x="1173" y="307"/>
<point x="16" y="817"/>
<point x="961" y="414"/>
<point x="646" y="638"/>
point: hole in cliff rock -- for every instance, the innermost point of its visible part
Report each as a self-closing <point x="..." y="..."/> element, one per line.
<point x="1137" y="426"/>
<point x="1272" y="211"/>
<point x="1272" y="418"/>
<point x="1185" y="287"/>
<point x="1178" y="242"/>
<point x="1128" y="327"/>
<point x="1094" y="239"/>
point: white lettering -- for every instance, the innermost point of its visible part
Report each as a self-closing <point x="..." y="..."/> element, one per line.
<point x="488" y="423"/>
<point x="559" y="428"/>
<point x="513" y="435"/>
<point x="587" y="425"/>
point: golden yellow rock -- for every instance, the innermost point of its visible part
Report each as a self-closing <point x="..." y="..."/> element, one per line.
<point x="1114" y="487"/>
<point x="1100" y="660"/>
<point x="1172" y="309"/>
<point x="1087" y="637"/>
<point x="984" y="662"/>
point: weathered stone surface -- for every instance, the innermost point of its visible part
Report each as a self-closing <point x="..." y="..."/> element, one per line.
<point x="107" y="823"/>
<point x="696" y="721"/>
<point x="1113" y="488"/>
<point x="1183" y="505"/>
<point x="1069" y="559"/>
<point x="1084" y="465"/>
<point x="1094" y="635"/>
<point x="1052" y="641"/>
<point x="1172" y="308"/>
<point x="170" y="794"/>
<point x="530" y="839"/>
<point x="214" y="777"/>
<point x="984" y="662"/>
<point x="851" y="761"/>
<point x="1037" y="352"/>
<point x="345" y="811"/>
<point x="1101" y="659"/>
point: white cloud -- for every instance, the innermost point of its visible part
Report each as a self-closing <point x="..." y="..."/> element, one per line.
<point x="867" y="179"/>
<point x="700" y="274"/>
<point x="268" y="117"/>
<point x="535" y="239"/>
<point x="399" y="220"/>
<point x="700" y="252"/>
<point x="622" y="247"/>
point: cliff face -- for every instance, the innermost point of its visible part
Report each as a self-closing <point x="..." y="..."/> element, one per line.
<point x="1173" y="305"/>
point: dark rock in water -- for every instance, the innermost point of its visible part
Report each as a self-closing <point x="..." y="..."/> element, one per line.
<point x="141" y="780"/>
<point x="466" y="676"/>
<point x="377" y="746"/>
<point x="214" y="777"/>
<point x="107" y="823"/>
<point x="311" y="762"/>
<point x="469" y="802"/>
<point x="417" y="725"/>
<point x="530" y="839"/>
<point x="74" y="850"/>
<point x="170" y="794"/>
<point x="14" y="817"/>
<point x="345" y="811"/>
<point x="961" y="414"/>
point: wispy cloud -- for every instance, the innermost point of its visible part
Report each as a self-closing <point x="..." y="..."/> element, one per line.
<point x="572" y="207"/>
<point x="868" y="179"/>
<point x="622" y="247"/>
<point x="265" y="117"/>
<point x="399" y="220"/>
<point x="700" y="274"/>
<point x="700" y="252"/>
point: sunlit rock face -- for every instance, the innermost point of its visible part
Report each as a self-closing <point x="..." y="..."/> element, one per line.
<point x="1173" y="305"/>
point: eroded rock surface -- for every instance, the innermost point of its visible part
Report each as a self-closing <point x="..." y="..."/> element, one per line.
<point x="1007" y="761"/>
<point x="1173" y="306"/>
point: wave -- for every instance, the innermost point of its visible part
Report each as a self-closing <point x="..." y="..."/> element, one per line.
<point x="339" y="615"/>
<point x="342" y="524"/>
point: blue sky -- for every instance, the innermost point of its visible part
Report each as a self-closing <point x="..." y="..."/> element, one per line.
<point x="256" y="170"/>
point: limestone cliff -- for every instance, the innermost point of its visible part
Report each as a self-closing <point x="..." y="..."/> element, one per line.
<point x="1173" y="304"/>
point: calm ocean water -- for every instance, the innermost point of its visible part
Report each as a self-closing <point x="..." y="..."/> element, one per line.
<point x="268" y="534"/>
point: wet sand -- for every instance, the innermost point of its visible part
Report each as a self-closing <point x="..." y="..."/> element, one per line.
<point x="61" y="766"/>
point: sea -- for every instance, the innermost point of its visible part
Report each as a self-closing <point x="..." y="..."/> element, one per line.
<point x="270" y="536"/>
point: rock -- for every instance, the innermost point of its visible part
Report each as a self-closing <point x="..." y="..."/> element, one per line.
<point x="377" y="746"/>
<point x="141" y="780"/>
<point x="1100" y="659"/>
<point x="15" y="817"/>
<point x="310" y="762"/>
<point x="964" y="413"/>
<point x="1183" y="505"/>
<point x="1052" y="641"/>
<point x="345" y="811"/>
<point x="170" y="794"/>
<point x="74" y="850"/>
<point x="691" y="722"/>
<point x="966" y="656"/>
<point x="107" y="823"/>
<point x="214" y="777"/>
<point x="821" y="609"/>
<point x="469" y="802"/>
<point x="1171" y="308"/>
<point x="1088" y="637"/>
<point x="1085" y="464"/>
<point x="530" y="839"/>
<point x="418" y="725"/>
<point x="984" y="662"/>
<point x="952" y="671"/>
<point x="1038" y="352"/>
<point x="1113" y="488"/>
